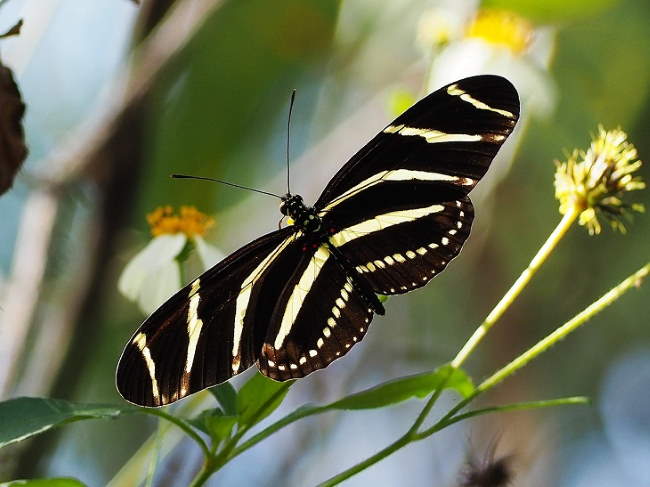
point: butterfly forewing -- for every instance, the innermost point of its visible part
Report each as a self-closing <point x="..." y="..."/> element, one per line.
<point x="399" y="210"/>
<point x="208" y="331"/>
<point x="448" y="138"/>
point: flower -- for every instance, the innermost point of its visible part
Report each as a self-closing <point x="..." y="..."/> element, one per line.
<point x="490" y="41"/>
<point x="595" y="181"/>
<point x="437" y="27"/>
<point x="494" y="41"/>
<point x="154" y="273"/>
<point x="190" y="221"/>
<point x="501" y="28"/>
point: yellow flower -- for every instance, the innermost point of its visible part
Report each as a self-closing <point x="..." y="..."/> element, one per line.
<point x="154" y="273"/>
<point x="502" y="28"/>
<point x="189" y="221"/>
<point x="493" y="41"/>
<point x="595" y="181"/>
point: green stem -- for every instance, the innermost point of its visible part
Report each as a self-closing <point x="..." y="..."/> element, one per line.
<point x="570" y="326"/>
<point x="429" y="405"/>
<point x="155" y="457"/>
<point x="189" y="431"/>
<point x="131" y="472"/>
<point x="410" y="436"/>
<point x="517" y="287"/>
<point x="228" y="452"/>
<point x="440" y="424"/>
<point x="278" y="425"/>
<point x="208" y="468"/>
<point x="380" y="455"/>
<point x="518" y="406"/>
<point x="450" y="418"/>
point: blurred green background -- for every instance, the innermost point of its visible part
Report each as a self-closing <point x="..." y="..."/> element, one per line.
<point x="218" y="109"/>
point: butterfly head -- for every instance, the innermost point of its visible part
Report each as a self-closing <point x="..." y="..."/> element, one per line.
<point x="306" y="218"/>
<point x="292" y="205"/>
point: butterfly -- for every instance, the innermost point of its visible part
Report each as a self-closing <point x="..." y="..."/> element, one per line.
<point x="300" y="297"/>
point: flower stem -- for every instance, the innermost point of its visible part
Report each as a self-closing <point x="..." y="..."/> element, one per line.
<point x="570" y="326"/>
<point x="521" y="282"/>
<point x="380" y="455"/>
<point x="131" y="472"/>
<point x="208" y="468"/>
<point x="451" y="417"/>
<point x="187" y="429"/>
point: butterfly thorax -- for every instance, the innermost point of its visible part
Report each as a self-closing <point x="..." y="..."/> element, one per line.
<point x="304" y="217"/>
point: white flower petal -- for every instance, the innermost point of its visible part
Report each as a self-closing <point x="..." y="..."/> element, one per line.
<point x="209" y="254"/>
<point x="440" y="26"/>
<point x="160" y="285"/>
<point x="160" y="251"/>
<point x="473" y="56"/>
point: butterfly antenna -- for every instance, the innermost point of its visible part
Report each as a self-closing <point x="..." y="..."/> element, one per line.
<point x="293" y="97"/>
<point x="185" y="176"/>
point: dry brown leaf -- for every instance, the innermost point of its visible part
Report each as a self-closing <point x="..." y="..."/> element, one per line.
<point x="12" y="137"/>
<point x="14" y="31"/>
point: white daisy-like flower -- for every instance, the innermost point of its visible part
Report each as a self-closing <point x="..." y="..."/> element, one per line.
<point x="154" y="273"/>
<point x="491" y="41"/>
<point x="501" y="42"/>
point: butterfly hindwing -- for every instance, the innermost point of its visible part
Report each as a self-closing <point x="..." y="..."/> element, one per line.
<point x="409" y="250"/>
<point x="318" y="318"/>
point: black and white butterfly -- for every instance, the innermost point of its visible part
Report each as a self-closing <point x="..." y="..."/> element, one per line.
<point x="300" y="297"/>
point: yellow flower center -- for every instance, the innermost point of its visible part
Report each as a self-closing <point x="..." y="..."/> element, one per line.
<point x="503" y="28"/>
<point x="189" y="221"/>
<point x="595" y="181"/>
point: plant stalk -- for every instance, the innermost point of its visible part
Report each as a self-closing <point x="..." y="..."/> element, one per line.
<point x="570" y="326"/>
<point x="521" y="282"/>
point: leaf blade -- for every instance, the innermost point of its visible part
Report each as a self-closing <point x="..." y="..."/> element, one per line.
<point x="226" y="396"/>
<point x="24" y="417"/>
<point x="53" y="482"/>
<point x="401" y="389"/>
<point x="259" y="397"/>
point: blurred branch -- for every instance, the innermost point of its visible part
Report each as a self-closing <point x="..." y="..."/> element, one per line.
<point x="78" y="156"/>
<point x="108" y="150"/>
<point x="24" y="286"/>
<point x="90" y="152"/>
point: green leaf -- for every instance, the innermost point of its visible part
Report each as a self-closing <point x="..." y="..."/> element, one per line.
<point x="226" y="395"/>
<point x="551" y="10"/>
<point x="398" y="390"/>
<point x="214" y="423"/>
<point x="219" y="427"/>
<point x="56" y="482"/>
<point x="27" y="416"/>
<point x="259" y="397"/>
<point x="385" y="394"/>
<point x="199" y="421"/>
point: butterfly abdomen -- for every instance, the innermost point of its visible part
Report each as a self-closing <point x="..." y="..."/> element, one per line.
<point x="357" y="280"/>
